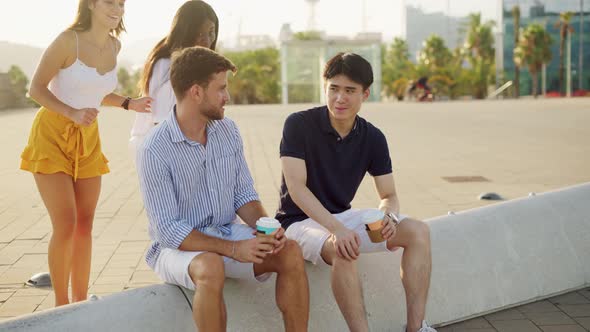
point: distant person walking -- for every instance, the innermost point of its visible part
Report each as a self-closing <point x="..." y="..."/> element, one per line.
<point x="76" y="75"/>
<point x="195" y="24"/>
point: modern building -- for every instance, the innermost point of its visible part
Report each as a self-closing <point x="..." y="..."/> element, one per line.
<point x="302" y="63"/>
<point x="253" y="42"/>
<point x="420" y="25"/>
<point x="546" y="13"/>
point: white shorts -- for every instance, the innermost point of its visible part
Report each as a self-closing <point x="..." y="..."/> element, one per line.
<point x="172" y="264"/>
<point x="311" y="236"/>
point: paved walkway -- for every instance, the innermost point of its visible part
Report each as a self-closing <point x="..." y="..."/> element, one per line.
<point x="518" y="146"/>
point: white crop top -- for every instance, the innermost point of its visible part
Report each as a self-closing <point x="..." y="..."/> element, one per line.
<point x="81" y="86"/>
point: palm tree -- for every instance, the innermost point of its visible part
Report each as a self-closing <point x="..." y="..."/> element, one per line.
<point x="396" y="67"/>
<point x="516" y="19"/>
<point x="479" y="41"/>
<point x="435" y="54"/>
<point x="533" y="50"/>
<point x="565" y="28"/>
<point x="479" y="51"/>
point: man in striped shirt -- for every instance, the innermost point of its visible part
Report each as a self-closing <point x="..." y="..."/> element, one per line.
<point x="194" y="179"/>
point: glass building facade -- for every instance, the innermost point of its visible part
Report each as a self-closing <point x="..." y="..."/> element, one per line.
<point x="546" y="13"/>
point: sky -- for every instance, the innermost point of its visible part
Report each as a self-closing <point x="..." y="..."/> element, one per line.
<point x="38" y="22"/>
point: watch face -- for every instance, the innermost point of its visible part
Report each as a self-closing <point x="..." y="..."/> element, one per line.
<point x="393" y="217"/>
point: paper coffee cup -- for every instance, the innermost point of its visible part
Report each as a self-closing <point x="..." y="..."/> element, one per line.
<point x="266" y="225"/>
<point x="373" y="220"/>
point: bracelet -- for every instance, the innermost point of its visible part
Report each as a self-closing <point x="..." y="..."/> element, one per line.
<point x="125" y="103"/>
<point x="233" y="249"/>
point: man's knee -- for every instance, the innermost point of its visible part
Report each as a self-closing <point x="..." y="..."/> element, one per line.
<point x="420" y="232"/>
<point x="344" y="265"/>
<point x="291" y="258"/>
<point x="207" y="270"/>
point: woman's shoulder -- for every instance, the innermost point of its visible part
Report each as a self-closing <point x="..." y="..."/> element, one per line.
<point x="64" y="47"/>
<point x="162" y="65"/>
<point x="66" y="40"/>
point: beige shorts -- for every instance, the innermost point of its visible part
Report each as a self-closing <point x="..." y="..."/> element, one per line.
<point x="311" y="236"/>
<point x="172" y="264"/>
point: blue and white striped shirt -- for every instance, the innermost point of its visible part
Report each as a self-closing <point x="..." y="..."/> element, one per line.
<point x="187" y="186"/>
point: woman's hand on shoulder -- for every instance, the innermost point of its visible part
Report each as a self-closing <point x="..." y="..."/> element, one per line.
<point x="141" y="105"/>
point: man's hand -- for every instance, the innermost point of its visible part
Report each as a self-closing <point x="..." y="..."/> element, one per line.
<point x="390" y="228"/>
<point x="347" y="243"/>
<point x="279" y="236"/>
<point x="254" y="250"/>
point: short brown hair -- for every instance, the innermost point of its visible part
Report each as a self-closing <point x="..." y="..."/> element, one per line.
<point x="196" y="65"/>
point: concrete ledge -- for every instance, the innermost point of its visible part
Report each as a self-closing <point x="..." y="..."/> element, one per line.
<point x="484" y="260"/>
<point x="153" y="308"/>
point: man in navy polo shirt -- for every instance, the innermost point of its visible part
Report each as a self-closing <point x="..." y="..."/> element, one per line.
<point x="325" y="153"/>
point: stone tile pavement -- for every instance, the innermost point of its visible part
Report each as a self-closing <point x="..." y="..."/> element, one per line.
<point x="518" y="146"/>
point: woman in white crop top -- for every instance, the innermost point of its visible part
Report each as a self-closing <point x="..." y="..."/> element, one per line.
<point x="76" y="75"/>
<point x="195" y="24"/>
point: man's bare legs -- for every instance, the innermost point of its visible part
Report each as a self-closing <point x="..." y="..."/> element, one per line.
<point x="208" y="273"/>
<point x="347" y="289"/>
<point x="414" y="237"/>
<point x="292" y="289"/>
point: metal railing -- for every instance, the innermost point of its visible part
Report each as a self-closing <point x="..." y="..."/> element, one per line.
<point x="500" y="90"/>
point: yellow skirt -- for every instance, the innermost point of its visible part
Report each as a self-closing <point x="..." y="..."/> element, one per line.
<point x="57" y="144"/>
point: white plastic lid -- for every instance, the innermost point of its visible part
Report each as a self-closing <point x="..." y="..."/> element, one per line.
<point x="372" y="216"/>
<point x="268" y="222"/>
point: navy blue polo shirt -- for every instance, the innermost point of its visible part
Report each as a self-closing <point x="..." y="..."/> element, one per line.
<point x="335" y="166"/>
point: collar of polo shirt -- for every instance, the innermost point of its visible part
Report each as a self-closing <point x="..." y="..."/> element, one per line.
<point x="327" y="126"/>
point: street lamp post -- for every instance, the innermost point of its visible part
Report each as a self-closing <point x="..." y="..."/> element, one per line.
<point x="500" y="45"/>
<point x="581" y="48"/>
<point x="568" y="84"/>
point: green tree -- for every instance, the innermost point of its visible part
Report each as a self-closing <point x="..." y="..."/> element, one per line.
<point x="128" y="82"/>
<point x="516" y="20"/>
<point x="565" y="28"/>
<point x="435" y="55"/>
<point x="435" y="60"/>
<point x="258" y="78"/>
<point x="533" y="50"/>
<point x="19" y="81"/>
<point x="307" y="35"/>
<point x="396" y="68"/>
<point x="480" y="52"/>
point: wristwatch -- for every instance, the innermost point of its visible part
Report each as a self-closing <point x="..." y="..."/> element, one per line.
<point x="393" y="217"/>
<point x="125" y="104"/>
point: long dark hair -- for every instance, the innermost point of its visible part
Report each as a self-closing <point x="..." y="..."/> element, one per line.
<point x="83" y="20"/>
<point x="187" y="22"/>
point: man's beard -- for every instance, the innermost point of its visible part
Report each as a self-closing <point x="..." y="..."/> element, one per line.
<point x="211" y="112"/>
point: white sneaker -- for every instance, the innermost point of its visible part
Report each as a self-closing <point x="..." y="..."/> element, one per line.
<point x="424" y="328"/>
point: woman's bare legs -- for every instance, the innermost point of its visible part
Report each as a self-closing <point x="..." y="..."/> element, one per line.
<point x="57" y="192"/>
<point x="87" y="192"/>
